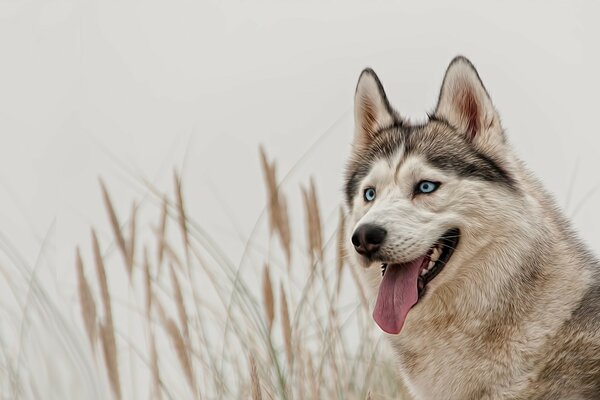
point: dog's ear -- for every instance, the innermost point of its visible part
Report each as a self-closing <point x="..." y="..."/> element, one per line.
<point x="466" y="105"/>
<point x="372" y="111"/>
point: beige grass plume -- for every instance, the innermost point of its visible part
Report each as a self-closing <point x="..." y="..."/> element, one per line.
<point x="88" y="306"/>
<point x="154" y="371"/>
<point x="147" y="284"/>
<point x="130" y="244"/>
<point x="286" y="326"/>
<point x="340" y="248"/>
<point x="183" y="355"/>
<point x="179" y="304"/>
<point x="268" y="298"/>
<point x="313" y="222"/>
<point x="162" y="230"/>
<point x="256" y="391"/>
<point x="182" y="217"/>
<point x="107" y="330"/>
<point x="116" y="228"/>
<point x="277" y="206"/>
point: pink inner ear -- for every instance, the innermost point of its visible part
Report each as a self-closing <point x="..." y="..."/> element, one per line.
<point x="369" y="120"/>
<point x="469" y="111"/>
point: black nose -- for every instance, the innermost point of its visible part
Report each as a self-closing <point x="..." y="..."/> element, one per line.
<point x="367" y="239"/>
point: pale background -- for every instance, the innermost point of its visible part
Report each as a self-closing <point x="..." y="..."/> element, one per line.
<point x="130" y="89"/>
<point x="86" y="85"/>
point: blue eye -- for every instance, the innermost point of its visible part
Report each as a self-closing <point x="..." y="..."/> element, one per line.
<point x="427" y="187"/>
<point x="369" y="194"/>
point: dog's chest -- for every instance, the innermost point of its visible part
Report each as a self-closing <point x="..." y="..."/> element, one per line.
<point x="441" y="361"/>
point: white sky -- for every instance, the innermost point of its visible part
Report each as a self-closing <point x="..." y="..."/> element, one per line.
<point x="86" y="85"/>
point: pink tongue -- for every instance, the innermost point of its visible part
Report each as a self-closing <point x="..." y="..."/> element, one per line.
<point x="397" y="294"/>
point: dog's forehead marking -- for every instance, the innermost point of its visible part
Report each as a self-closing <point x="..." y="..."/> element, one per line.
<point x="398" y="159"/>
<point x="447" y="149"/>
<point x="440" y="145"/>
<point x="385" y="170"/>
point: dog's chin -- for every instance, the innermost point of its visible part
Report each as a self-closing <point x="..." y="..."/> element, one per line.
<point x="432" y="264"/>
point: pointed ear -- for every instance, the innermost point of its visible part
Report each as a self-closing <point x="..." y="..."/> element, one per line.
<point x="372" y="112"/>
<point x="466" y="105"/>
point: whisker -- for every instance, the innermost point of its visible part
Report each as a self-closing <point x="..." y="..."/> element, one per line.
<point x="442" y="245"/>
<point x="451" y="236"/>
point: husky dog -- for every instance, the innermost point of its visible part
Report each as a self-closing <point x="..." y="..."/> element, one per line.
<point x="482" y="286"/>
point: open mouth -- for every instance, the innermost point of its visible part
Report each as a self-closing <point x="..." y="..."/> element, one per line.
<point x="404" y="284"/>
<point x="434" y="261"/>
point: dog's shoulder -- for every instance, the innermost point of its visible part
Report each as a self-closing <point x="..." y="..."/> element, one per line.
<point x="570" y="361"/>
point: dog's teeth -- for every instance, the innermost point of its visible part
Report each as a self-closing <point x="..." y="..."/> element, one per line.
<point x="435" y="254"/>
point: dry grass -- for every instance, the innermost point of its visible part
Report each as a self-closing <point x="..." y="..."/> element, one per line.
<point x="209" y="326"/>
<point x="88" y="306"/>
<point x="256" y="390"/>
<point x="106" y="328"/>
<point x="286" y="328"/>
<point x="268" y="297"/>
<point x="116" y="227"/>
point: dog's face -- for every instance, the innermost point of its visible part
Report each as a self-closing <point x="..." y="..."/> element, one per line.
<point x="423" y="199"/>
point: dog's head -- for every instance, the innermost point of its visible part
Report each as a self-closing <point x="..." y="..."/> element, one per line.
<point x="425" y="199"/>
